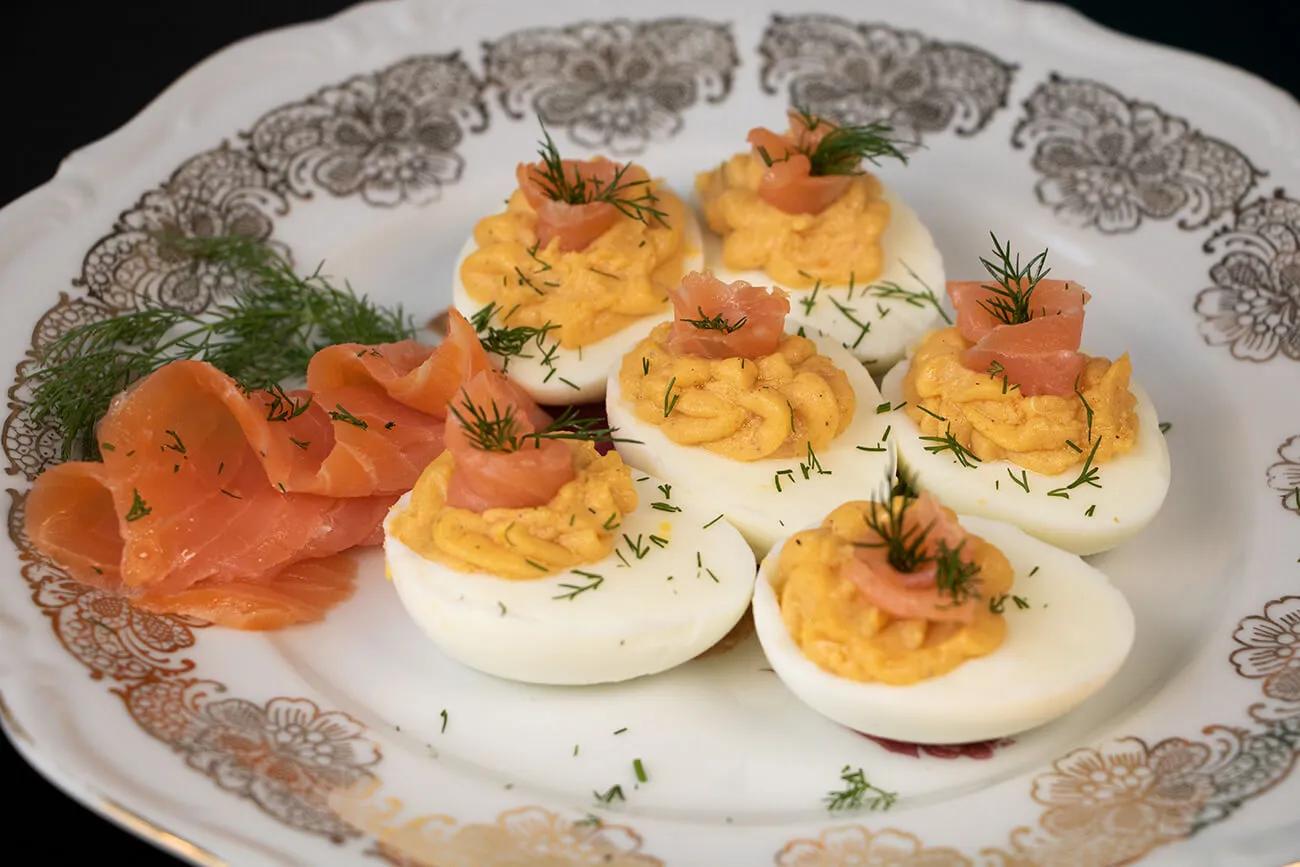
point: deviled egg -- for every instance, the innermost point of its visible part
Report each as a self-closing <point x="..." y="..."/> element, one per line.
<point x="903" y="621"/>
<point x="574" y="271"/>
<point x="524" y="553"/>
<point x="1002" y="416"/>
<point x="757" y="419"/>
<point x="798" y="212"/>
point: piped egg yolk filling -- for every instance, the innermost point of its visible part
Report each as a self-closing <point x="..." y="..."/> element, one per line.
<point x="994" y="421"/>
<point x="839" y="245"/>
<point x="745" y="409"/>
<point x="836" y="627"/>
<point x="587" y="294"/>
<point x="579" y="524"/>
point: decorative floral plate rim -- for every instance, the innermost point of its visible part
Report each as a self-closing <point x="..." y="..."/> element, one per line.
<point x="1231" y="204"/>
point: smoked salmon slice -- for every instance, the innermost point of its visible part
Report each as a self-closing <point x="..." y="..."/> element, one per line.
<point x="913" y="595"/>
<point x="204" y="486"/>
<point x="525" y="473"/>
<point x="789" y="184"/>
<point x="1039" y="356"/>
<point x="576" y="225"/>
<point x="970" y="298"/>
<point x="726" y="320"/>
<point x="299" y="593"/>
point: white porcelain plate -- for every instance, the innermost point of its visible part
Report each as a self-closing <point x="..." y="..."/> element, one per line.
<point x="1164" y="182"/>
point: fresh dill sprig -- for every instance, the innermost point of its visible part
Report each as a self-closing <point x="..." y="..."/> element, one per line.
<point x="904" y="546"/>
<point x="950" y="443"/>
<point x="857" y="793"/>
<point x="266" y="332"/>
<point x="139" y="508"/>
<point x="632" y="198"/>
<point x="954" y="576"/>
<point x="1087" y="476"/>
<point x="842" y="150"/>
<point x="491" y="429"/>
<point x="1013" y="285"/>
<point x="716" y="323"/>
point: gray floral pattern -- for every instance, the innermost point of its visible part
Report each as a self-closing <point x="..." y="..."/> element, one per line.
<point x="388" y="136"/>
<point x="614" y="86"/>
<point x="858" y="73"/>
<point x="1284" y="476"/>
<point x="1253" y="306"/>
<point x="223" y="191"/>
<point x="1108" y="161"/>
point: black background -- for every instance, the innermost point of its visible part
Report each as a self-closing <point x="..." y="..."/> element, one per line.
<point x="73" y="75"/>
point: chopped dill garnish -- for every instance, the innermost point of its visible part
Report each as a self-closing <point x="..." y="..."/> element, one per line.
<point x="922" y="408"/>
<point x="339" y="413"/>
<point x="1074" y="446"/>
<point x="997" y="604"/>
<point x="620" y="731"/>
<point x="524" y="280"/>
<point x="1087" y="476"/>
<point x="510" y="342"/>
<point x="1092" y="510"/>
<point x="266" y="332"/>
<point x="1087" y="408"/>
<point x="175" y="445"/>
<point x="231" y="494"/>
<point x="670" y="399"/>
<point x="575" y="590"/>
<point x="638" y="548"/>
<point x="570" y="383"/>
<point x="645" y="366"/>
<point x="612" y="522"/>
<point x="916" y="298"/>
<point x="711" y="523"/>
<point x="810" y="301"/>
<point x="302" y="444"/>
<point x="659" y="540"/>
<point x="847" y="313"/>
<point x="666" y="490"/>
<point x="603" y="273"/>
<point x="1023" y="481"/>
<point x="948" y="442"/>
<point x="281" y="406"/>
<point x="716" y="323"/>
<point x="871" y="448"/>
<point x="1165" y="426"/>
<point x="633" y="199"/>
<point x="639" y="769"/>
<point x="614" y="792"/>
<point x="1034" y="571"/>
<point x="139" y="508"/>
<point x="882" y="408"/>
<point x="1013" y="285"/>
<point x="502" y="606"/>
<point x="443" y="714"/>
<point x="538" y="566"/>
<point x="665" y="507"/>
<point x="858" y="793"/>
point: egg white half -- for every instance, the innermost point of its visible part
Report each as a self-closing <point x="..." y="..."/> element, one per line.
<point x="585" y="369"/>
<point x="746" y="491"/>
<point x="1063" y="648"/>
<point x="1133" y="485"/>
<point x="656" y="612"/>
<point x="895" y="323"/>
